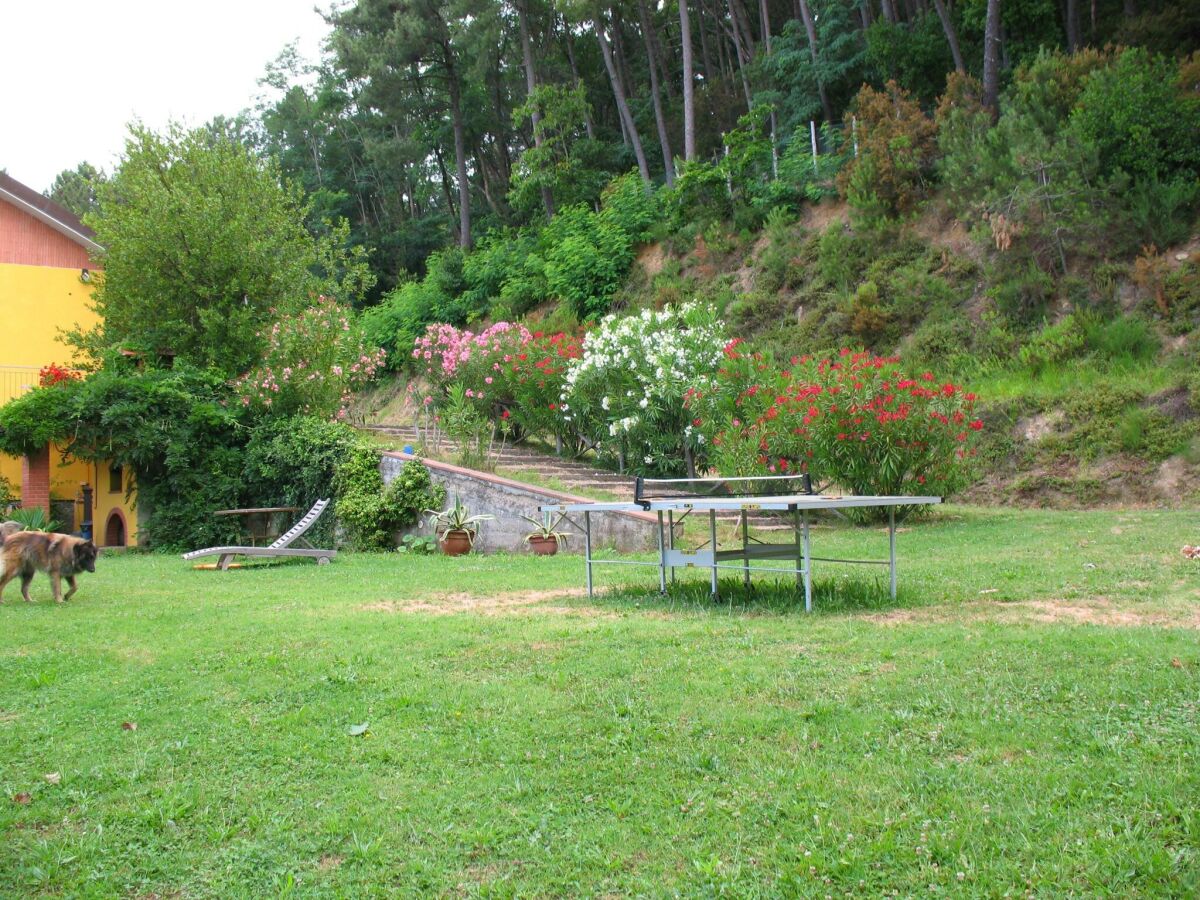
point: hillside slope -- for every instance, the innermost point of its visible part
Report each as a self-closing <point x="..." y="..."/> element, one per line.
<point x="1088" y="383"/>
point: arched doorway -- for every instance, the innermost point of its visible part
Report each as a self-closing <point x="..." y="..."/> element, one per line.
<point x="114" y="530"/>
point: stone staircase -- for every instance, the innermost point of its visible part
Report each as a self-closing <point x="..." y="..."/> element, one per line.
<point x="533" y="466"/>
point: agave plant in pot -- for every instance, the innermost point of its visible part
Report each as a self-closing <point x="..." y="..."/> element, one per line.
<point x="455" y="527"/>
<point x="546" y="539"/>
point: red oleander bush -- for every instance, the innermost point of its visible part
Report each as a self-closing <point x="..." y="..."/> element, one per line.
<point x="857" y="423"/>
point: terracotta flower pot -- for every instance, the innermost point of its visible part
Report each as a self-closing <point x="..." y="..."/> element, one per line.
<point x="542" y="546"/>
<point x="456" y="543"/>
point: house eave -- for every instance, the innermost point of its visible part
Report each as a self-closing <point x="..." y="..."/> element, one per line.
<point x="62" y="228"/>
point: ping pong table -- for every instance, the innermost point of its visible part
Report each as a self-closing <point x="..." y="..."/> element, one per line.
<point x="674" y="500"/>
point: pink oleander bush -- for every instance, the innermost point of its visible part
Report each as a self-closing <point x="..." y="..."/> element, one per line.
<point x="511" y="375"/>
<point x="314" y="361"/>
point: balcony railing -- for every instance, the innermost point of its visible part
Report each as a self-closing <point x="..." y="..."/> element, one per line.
<point x="16" y="380"/>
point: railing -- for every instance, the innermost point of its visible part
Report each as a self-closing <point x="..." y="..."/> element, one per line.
<point x="16" y="380"/>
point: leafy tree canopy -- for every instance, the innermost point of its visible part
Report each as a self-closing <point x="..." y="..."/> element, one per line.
<point x="76" y="188"/>
<point x="205" y="245"/>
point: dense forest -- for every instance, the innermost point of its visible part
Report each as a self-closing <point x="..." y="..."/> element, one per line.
<point x="428" y="123"/>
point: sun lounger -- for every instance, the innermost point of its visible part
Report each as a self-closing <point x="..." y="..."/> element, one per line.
<point x="281" y="547"/>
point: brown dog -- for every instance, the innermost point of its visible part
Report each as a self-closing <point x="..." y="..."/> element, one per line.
<point x="58" y="555"/>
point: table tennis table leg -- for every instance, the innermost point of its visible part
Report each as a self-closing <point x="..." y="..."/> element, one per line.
<point x="662" y="557"/>
<point x="745" y="551"/>
<point x="712" y="539"/>
<point x="671" y="537"/>
<point x="806" y="561"/>
<point x="892" y="548"/>
<point x="587" y="549"/>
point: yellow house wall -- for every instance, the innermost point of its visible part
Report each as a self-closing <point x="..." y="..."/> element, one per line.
<point x="35" y="303"/>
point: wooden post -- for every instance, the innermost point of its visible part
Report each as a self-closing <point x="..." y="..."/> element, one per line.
<point x="812" y="130"/>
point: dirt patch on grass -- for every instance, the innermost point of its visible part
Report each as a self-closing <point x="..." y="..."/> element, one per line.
<point x="1098" y="611"/>
<point x="329" y="861"/>
<point x="501" y="604"/>
<point x="1104" y="612"/>
<point x="134" y="654"/>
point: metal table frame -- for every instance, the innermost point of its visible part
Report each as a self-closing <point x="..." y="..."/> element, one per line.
<point x="709" y="555"/>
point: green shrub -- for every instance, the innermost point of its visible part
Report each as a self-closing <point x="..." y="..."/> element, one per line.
<point x="1123" y="339"/>
<point x="915" y="54"/>
<point x="372" y="513"/>
<point x="840" y="257"/>
<point x="896" y="152"/>
<point x="700" y="195"/>
<point x="1151" y="435"/>
<point x="1021" y="292"/>
<point x="587" y="257"/>
<point x="628" y="205"/>
<point x="1140" y="122"/>
<point x="1053" y="344"/>
<point x="940" y="341"/>
<point x="1160" y="213"/>
<point x="293" y="461"/>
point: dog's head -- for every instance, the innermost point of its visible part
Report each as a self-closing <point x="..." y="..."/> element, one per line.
<point x="85" y="556"/>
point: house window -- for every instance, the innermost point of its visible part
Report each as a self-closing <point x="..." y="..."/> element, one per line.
<point x="114" y="479"/>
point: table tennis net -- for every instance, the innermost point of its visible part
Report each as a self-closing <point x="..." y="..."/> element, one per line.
<point x="647" y="490"/>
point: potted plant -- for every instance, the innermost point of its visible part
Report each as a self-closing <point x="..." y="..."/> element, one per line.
<point x="456" y="527"/>
<point x="545" y="539"/>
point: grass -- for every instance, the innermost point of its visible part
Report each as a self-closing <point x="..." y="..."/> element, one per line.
<point x="1073" y="377"/>
<point x="532" y="476"/>
<point x="530" y="745"/>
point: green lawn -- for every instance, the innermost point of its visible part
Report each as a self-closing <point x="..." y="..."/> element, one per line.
<point x="1043" y="736"/>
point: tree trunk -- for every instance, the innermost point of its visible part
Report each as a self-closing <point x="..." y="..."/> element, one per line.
<point x="1130" y="8"/>
<point x="486" y="184"/>
<point x="868" y="15"/>
<point x="577" y="81"/>
<point x="726" y="73"/>
<point x="765" y="25"/>
<point x="705" y="56"/>
<point x="889" y="11"/>
<point x="530" y="85"/>
<point x="991" y="58"/>
<point x="1071" y="14"/>
<point x="620" y="57"/>
<point x="737" y="12"/>
<point x="951" y="35"/>
<point x="660" y="57"/>
<point x="622" y="106"/>
<point x="810" y="29"/>
<point x="454" y="88"/>
<point x="689" y="86"/>
<point x="441" y="161"/>
<point x="740" y="46"/>
<point x="664" y="139"/>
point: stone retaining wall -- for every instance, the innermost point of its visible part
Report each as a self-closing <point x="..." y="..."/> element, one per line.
<point x="508" y="500"/>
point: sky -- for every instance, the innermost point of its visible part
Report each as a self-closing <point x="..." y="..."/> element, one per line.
<point x="73" y="74"/>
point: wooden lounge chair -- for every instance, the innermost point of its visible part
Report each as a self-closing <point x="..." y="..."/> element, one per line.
<point x="281" y="547"/>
